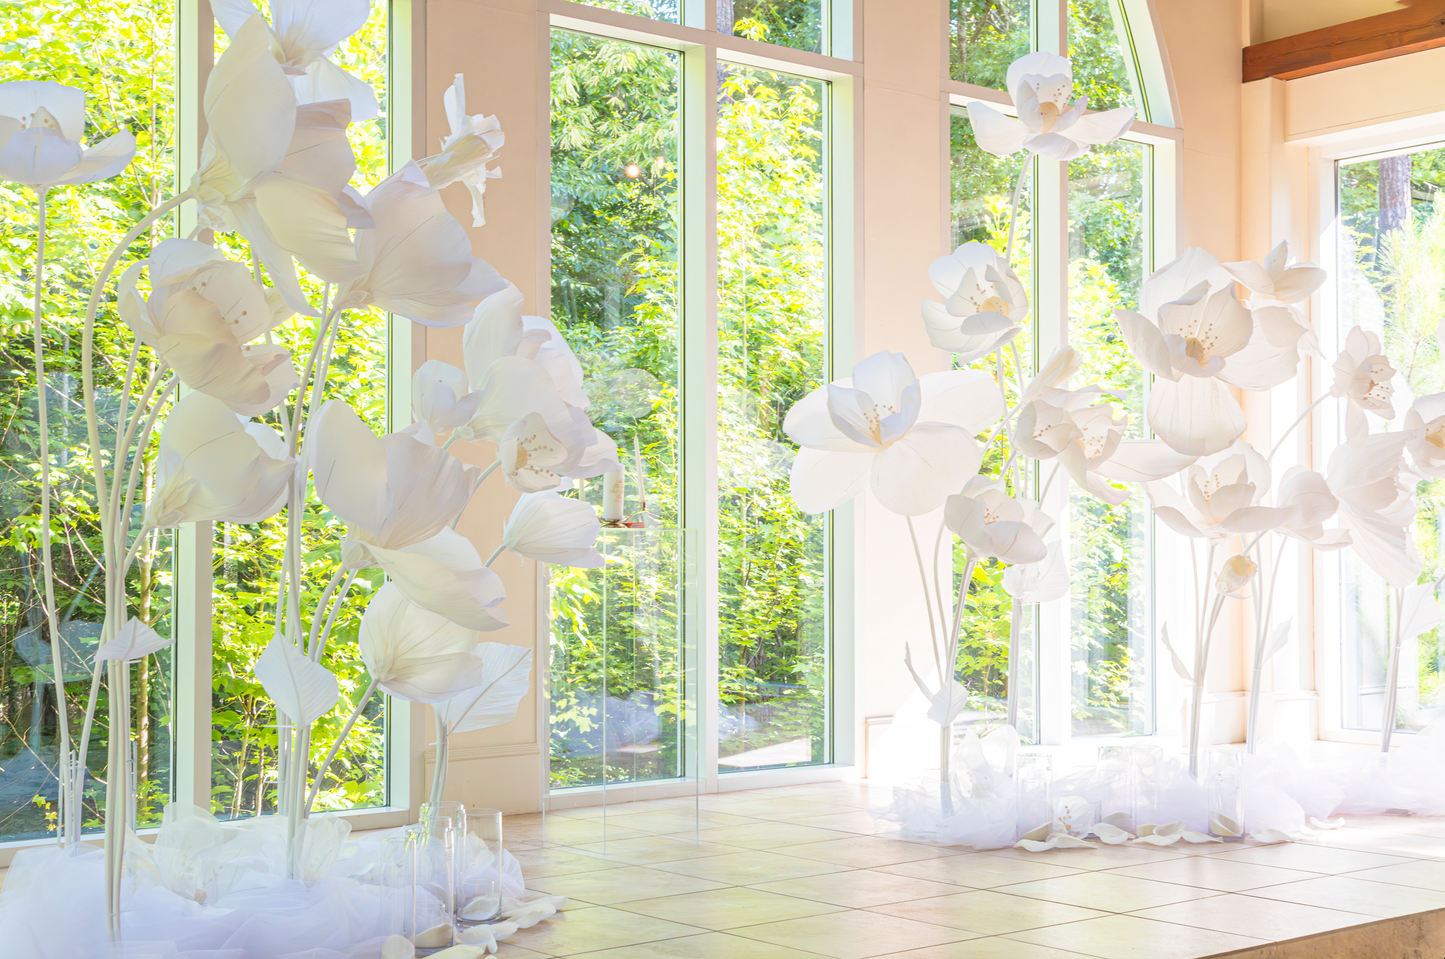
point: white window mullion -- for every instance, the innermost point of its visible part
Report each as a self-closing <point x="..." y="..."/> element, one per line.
<point x="699" y="376"/>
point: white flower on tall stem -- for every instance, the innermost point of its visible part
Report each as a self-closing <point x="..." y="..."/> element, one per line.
<point x="397" y="496"/>
<point x="498" y="329"/>
<point x="417" y="261"/>
<point x="1050" y="123"/>
<point x="1425" y="425"/>
<point x="201" y="311"/>
<point x="1362" y="376"/>
<point x="1041" y="582"/>
<point x="214" y="465"/>
<point x="1306" y="500"/>
<point x="303" y="34"/>
<point x="1184" y="336"/>
<point x="1235" y="575"/>
<point x="534" y="458"/>
<point x="415" y="654"/>
<point x="275" y="171"/>
<point x="474" y="140"/>
<point x="553" y="529"/>
<point x="42" y="125"/>
<point x="1278" y="279"/>
<point x="440" y="398"/>
<point x="993" y="524"/>
<point x="984" y="302"/>
<point x="1221" y="493"/>
<point x="910" y="438"/>
<point x="1376" y="507"/>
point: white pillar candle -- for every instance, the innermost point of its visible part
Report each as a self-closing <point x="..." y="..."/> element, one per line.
<point x="613" y="489"/>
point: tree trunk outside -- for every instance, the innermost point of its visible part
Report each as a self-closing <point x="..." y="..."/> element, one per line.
<point x="1394" y="193"/>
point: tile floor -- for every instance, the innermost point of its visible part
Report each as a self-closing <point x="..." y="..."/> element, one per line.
<point x="798" y="873"/>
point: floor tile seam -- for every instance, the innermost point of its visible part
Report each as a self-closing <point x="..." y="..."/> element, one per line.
<point x="1372" y="916"/>
<point x="1113" y="912"/>
<point x="812" y="952"/>
<point x="824" y="902"/>
<point x="1168" y="922"/>
<point x="991" y="935"/>
<point x="1010" y="937"/>
<point x="1190" y="885"/>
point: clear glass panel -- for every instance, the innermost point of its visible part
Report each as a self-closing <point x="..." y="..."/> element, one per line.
<point x="985" y="36"/>
<point x="1100" y="70"/>
<point x="652" y="9"/>
<point x="1391" y="244"/>
<point x="615" y="663"/>
<point x="788" y="23"/>
<point x="123" y="57"/>
<point x="981" y="190"/>
<point x="621" y="648"/>
<point x="615" y="268"/>
<point x="1112" y="613"/>
<point x="247" y="558"/>
<point x="772" y="351"/>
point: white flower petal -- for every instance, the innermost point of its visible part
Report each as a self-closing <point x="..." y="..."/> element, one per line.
<point x="994" y="132"/>
<point x="823" y="479"/>
<point x="505" y="680"/>
<point x="1196" y="416"/>
<point x="918" y="472"/>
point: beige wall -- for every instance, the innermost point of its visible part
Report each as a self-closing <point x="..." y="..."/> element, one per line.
<point x="1282" y="18"/>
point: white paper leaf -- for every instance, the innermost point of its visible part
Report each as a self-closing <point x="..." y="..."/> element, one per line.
<point x="303" y="690"/>
<point x="1111" y="834"/>
<point x="1269" y="835"/>
<point x="134" y="640"/>
<point x="1327" y="823"/>
<point x="1189" y="835"/>
<point x="1179" y="666"/>
<point x="1059" y="840"/>
<point x="1158" y="840"/>
<point x="1039" y="833"/>
<point x="507" y="671"/>
<point x="1277" y="639"/>
<point x="1419" y="613"/>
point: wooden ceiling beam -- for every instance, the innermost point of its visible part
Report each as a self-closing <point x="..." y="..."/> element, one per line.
<point x="1419" y="26"/>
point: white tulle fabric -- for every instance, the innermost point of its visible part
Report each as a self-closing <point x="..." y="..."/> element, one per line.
<point x="1283" y="791"/>
<point x="212" y="890"/>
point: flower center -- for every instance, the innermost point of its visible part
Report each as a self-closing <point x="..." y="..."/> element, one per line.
<point x="874" y="418"/>
<point x="994" y="304"/>
<point x="1048" y="115"/>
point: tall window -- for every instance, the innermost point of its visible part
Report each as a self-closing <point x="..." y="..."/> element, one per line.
<point x="1107" y="632"/>
<point x="123" y="56"/>
<point x="622" y="242"/>
<point x="1388" y="275"/>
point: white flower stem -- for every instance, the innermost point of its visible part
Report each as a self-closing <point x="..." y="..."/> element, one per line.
<point x="443" y="758"/>
<point x="927" y="599"/>
<point x="319" y="646"/>
<point x="1263" y="625"/>
<point x="132" y="483"/>
<point x="495" y="553"/>
<point x="1295" y="425"/>
<point x="1392" y="677"/>
<point x="336" y="746"/>
<point x="47" y="559"/>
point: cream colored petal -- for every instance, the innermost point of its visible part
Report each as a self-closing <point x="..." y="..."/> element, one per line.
<point x="1195" y="416"/>
<point x="918" y="472"/>
<point x="821" y="480"/>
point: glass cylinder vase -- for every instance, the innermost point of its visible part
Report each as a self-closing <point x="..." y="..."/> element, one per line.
<point x="1226" y="794"/>
<point x="434" y="902"/>
<point x="479" y="868"/>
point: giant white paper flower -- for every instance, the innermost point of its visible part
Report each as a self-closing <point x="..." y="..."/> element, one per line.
<point x="1425" y="425"/>
<point x="1218" y="490"/>
<point x="1376" y="507"/>
<point x="392" y="491"/>
<point x="415" y="654"/>
<point x="274" y="171"/>
<point x="1277" y="278"/>
<point x="1041" y="582"/>
<point x="553" y="529"/>
<point x="41" y="126"/>
<point x="1362" y="376"/>
<point x="984" y="302"/>
<point x="498" y="329"/>
<point x="534" y="458"/>
<point x="1305" y="499"/>
<point x="911" y="439"/>
<point x="993" y="524"/>
<point x="201" y="310"/>
<point x="1051" y="123"/>
<point x="443" y="574"/>
<point x="214" y="465"/>
<point x="473" y="141"/>
<point x="440" y="398"/>
<point x="417" y="261"/>
<point x="303" y="35"/>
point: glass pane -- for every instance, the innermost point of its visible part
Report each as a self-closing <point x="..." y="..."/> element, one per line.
<point x="981" y="189"/>
<point x="985" y="36"/>
<point x="615" y="294"/>
<point x="1112" y="613"/>
<point x="1387" y="270"/>
<point x="652" y="9"/>
<point x="123" y="57"/>
<point x="788" y="23"/>
<point x="772" y="342"/>
<point x="1100" y="71"/>
<point x="247" y="558"/>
